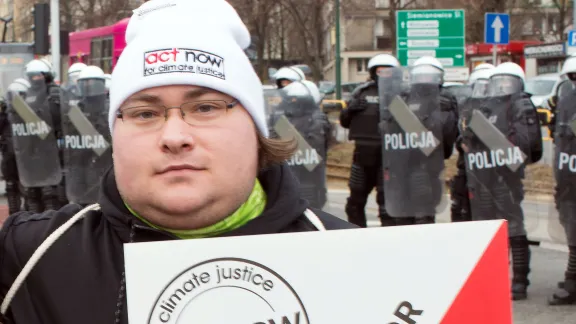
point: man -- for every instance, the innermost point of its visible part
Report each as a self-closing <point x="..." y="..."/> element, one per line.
<point x="496" y="192"/>
<point x="14" y="194"/>
<point x="191" y="160"/>
<point x="460" y="208"/>
<point x="362" y="118"/>
<point x="565" y="148"/>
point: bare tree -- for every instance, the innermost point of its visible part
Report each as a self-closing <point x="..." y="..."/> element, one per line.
<point x="257" y="15"/>
<point x="564" y="7"/>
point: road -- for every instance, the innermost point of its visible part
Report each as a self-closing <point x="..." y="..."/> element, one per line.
<point x="548" y="260"/>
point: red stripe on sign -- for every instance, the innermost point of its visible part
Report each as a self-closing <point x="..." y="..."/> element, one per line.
<point x="485" y="296"/>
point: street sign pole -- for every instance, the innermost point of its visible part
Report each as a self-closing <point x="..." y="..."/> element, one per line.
<point x="496" y="31"/>
<point x="55" y="38"/>
<point x="494" y="54"/>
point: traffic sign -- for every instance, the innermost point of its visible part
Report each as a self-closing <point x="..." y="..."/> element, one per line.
<point x="496" y="28"/>
<point x="572" y="38"/>
<point x="437" y="33"/>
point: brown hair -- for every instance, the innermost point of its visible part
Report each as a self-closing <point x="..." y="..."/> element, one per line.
<point x="274" y="150"/>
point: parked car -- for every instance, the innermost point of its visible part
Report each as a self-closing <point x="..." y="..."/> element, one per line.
<point x="541" y="87"/>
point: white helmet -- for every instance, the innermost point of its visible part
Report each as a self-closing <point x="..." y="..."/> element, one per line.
<point x="108" y="79"/>
<point x="383" y="60"/>
<point x="76" y="68"/>
<point x="313" y="90"/>
<point x="299" y="71"/>
<point x="483" y="66"/>
<point x="39" y="66"/>
<point x="569" y="65"/>
<point x="428" y="60"/>
<point x="91" y="72"/>
<point x="482" y="74"/>
<point x="509" y="68"/>
<point x="289" y="73"/>
<point x="19" y="85"/>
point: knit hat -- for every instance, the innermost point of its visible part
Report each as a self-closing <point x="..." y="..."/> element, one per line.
<point x="180" y="42"/>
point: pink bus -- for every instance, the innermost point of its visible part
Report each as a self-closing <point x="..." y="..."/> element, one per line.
<point x="100" y="46"/>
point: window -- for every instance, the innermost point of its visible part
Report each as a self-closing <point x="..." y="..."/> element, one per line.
<point x="361" y="65"/>
<point x="101" y="51"/>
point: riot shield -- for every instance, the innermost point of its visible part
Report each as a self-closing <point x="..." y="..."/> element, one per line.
<point x="272" y="98"/>
<point x="496" y="153"/>
<point x="35" y="144"/>
<point x="562" y="212"/>
<point x="87" y="143"/>
<point x="412" y="149"/>
<point x="298" y="117"/>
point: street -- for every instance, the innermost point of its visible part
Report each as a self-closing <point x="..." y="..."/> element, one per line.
<point x="548" y="260"/>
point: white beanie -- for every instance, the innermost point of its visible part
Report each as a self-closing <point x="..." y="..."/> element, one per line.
<point x="179" y="42"/>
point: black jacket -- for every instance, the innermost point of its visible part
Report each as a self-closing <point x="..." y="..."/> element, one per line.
<point x="78" y="280"/>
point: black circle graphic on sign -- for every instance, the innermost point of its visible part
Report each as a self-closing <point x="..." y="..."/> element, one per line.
<point x="228" y="290"/>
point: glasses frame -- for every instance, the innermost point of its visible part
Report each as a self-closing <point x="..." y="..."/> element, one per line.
<point x="229" y="105"/>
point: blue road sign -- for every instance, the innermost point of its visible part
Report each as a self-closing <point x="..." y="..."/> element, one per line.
<point x="496" y="28"/>
<point x="572" y="38"/>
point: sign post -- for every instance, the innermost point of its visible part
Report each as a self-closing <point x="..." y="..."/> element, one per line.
<point x="496" y="31"/>
<point x="436" y="33"/>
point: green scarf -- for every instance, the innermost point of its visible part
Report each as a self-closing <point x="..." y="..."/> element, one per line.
<point x="251" y="209"/>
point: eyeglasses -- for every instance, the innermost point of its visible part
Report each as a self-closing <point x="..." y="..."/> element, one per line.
<point x="197" y="113"/>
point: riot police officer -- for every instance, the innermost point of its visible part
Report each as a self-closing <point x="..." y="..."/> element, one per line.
<point x="35" y="138"/>
<point x="565" y="149"/>
<point x="298" y="116"/>
<point x="414" y="168"/>
<point x="460" y="208"/>
<point x="500" y="138"/>
<point x="9" y="168"/>
<point x="87" y="145"/>
<point x="362" y="117"/>
<point x="287" y="75"/>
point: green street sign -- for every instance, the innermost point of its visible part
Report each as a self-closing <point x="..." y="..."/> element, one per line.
<point x="437" y="33"/>
<point x="451" y="57"/>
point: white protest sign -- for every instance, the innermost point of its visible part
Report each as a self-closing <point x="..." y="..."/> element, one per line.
<point x="442" y="273"/>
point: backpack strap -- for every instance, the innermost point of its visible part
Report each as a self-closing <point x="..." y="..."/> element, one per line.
<point x="40" y="251"/>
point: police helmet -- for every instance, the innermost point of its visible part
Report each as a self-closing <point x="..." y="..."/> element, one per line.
<point x="313" y="90"/>
<point x="19" y="85"/>
<point x="569" y="65"/>
<point x="76" y="68"/>
<point x="509" y="68"/>
<point x="482" y="74"/>
<point x="384" y="60"/>
<point x="91" y="72"/>
<point x="38" y="66"/>
<point x="108" y="79"/>
<point x="92" y="81"/>
<point x="483" y="66"/>
<point x="507" y="78"/>
<point x="289" y="73"/>
<point x="427" y="70"/>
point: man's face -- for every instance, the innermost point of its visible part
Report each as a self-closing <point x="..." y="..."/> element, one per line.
<point x="285" y="82"/>
<point x="215" y="165"/>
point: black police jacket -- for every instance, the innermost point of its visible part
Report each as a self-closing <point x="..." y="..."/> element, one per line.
<point x="78" y="280"/>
